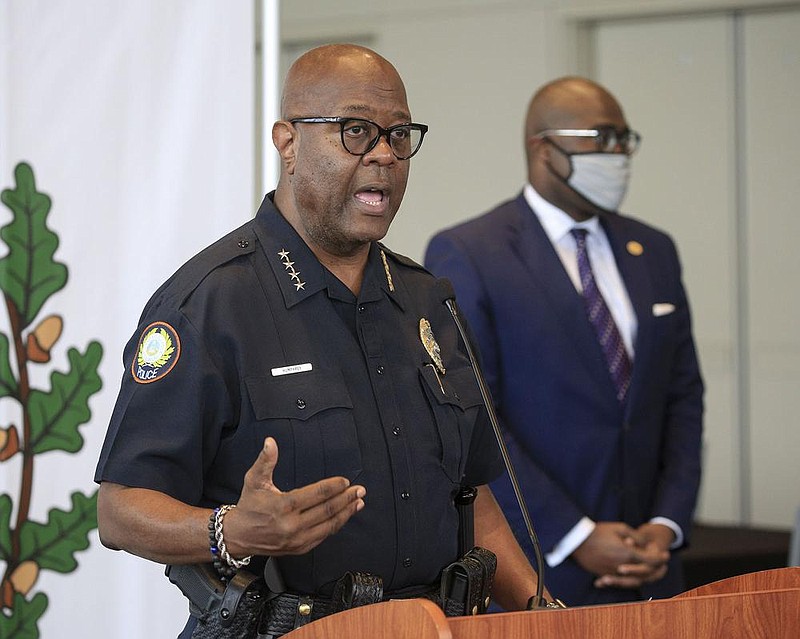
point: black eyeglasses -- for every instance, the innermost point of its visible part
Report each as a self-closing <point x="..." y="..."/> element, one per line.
<point x="360" y="136"/>
<point x="606" y="138"/>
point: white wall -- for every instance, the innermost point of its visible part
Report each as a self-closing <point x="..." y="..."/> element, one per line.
<point x="470" y="68"/>
<point x="730" y="82"/>
<point x="684" y="182"/>
<point x="771" y="226"/>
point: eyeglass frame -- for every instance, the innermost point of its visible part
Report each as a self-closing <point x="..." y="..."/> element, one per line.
<point x="341" y="121"/>
<point x="598" y="133"/>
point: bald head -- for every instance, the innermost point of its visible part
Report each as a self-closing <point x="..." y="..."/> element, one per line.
<point x="563" y="103"/>
<point x="567" y="103"/>
<point x="338" y="201"/>
<point x="318" y="75"/>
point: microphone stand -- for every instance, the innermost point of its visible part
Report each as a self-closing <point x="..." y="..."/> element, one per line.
<point x="537" y="601"/>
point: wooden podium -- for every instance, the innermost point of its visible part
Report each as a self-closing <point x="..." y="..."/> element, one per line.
<point x="753" y="606"/>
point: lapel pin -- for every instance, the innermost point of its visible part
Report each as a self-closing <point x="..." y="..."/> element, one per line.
<point x="634" y="248"/>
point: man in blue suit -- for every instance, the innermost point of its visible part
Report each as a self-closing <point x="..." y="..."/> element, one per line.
<point x="604" y="429"/>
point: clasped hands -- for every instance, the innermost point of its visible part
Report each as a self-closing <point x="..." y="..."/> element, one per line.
<point x="625" y="557"/>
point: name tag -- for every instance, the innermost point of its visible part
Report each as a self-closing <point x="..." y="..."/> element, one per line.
<point x="288" y="370"/>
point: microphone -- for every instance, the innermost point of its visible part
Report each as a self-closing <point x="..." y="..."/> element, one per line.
<point x="444" y="290"/>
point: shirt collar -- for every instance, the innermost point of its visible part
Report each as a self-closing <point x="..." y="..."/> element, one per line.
<point x="297" y="270"/>
<point x="556" y="223"/>
<point x="371" y="284"/>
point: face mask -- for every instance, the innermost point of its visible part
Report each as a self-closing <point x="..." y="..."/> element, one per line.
<point x="602" y="178"/>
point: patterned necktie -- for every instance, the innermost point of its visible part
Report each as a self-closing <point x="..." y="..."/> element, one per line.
<point x="619" y="365"/>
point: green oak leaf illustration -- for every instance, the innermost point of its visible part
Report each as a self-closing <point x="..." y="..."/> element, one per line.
<point x="55" y="416"/>
<point x="52" y="545"/>
<point x="21" y="623"/>
<point x="29" y="276"/>
<point x="8" y="383"/>
<point x="28" y="273"/>
<point x="5" y="527"/>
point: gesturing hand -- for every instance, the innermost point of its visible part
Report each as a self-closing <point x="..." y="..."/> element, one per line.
<point x="268" y="521"/>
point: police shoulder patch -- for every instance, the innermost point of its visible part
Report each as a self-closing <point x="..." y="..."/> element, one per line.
<point x="158" y="351"/>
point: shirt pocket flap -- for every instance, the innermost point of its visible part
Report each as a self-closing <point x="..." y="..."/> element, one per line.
<point x="299" y="396"/>
<point x="459" y="385"/>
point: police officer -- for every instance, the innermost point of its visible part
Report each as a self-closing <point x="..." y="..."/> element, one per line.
<point x="299" y="391"/>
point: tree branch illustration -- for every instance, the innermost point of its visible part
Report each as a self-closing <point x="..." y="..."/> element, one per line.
<point x="29" y="276"/>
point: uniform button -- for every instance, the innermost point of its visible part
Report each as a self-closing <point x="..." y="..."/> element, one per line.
<point x="380" y="370"/>
<point x="396" y="431"/>
<point x="361" y="308"/>
<point x="243" y="243"/>
<point x="407" y="562"/>
<point x="301" y="403"/>
<point x="405" y="495"/>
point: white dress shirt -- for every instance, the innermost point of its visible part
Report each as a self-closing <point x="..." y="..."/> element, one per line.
<point x="557" y="225"/>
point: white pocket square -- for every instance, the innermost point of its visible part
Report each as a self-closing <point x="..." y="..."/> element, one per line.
<point x="664" y="308"/>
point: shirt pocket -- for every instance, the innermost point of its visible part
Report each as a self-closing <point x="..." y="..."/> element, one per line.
<point x="453" y="398"/>
<point x="310" y="415"/>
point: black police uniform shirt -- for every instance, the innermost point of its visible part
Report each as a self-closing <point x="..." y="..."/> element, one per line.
<point x="253" y="337"/>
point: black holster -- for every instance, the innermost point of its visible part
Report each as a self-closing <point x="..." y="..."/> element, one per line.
<point x="223" y="611"/>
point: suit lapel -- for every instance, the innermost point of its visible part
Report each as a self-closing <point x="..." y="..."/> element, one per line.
<point x="630" y="254"/>
<point x="553" y="285"/>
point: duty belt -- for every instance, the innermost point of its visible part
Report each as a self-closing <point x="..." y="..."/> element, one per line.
<point x="285" y="611"/>
<point x="464" y="588"/>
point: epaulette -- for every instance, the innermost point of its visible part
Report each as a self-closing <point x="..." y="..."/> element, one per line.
<point x="188" y="277"/>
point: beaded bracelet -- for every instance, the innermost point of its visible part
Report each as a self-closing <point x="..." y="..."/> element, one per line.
<point x="225" y="565"/>
<point x="224" y="571"/>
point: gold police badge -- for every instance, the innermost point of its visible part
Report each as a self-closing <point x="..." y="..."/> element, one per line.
<point x="430" y="344"/>
<point x="158" y="352"/>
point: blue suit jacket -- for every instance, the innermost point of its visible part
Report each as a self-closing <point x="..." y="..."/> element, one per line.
<point x="575" y="450"/>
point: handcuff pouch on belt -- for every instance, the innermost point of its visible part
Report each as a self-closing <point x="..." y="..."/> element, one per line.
<point x="357" y="589"/>
<point x="466" y="584"/>
<point x="285" y="612"/>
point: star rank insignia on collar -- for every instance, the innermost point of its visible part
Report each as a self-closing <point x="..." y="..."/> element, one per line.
<point x="289" y="266"/>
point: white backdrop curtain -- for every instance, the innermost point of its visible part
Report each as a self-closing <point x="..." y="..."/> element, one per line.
<point x="137" y="118"/>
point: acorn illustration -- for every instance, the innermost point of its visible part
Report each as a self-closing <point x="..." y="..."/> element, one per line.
<point x="9" y="442"/>
<point x="24" y="576"/>
<point x="41" y="340"/>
